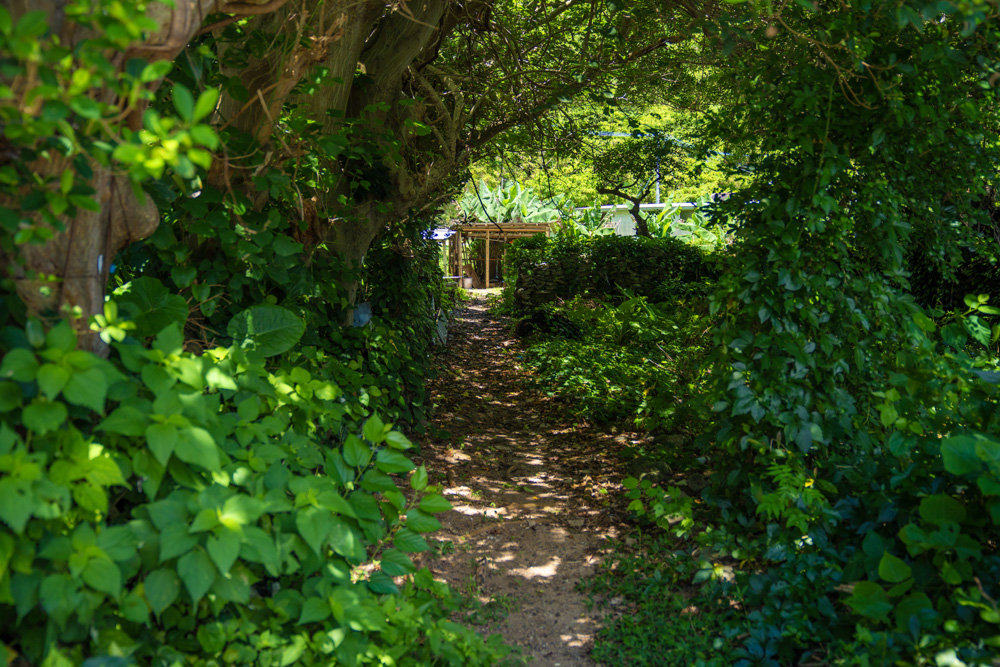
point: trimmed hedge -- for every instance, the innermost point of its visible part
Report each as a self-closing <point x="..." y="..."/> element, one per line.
<point x="546" y="269"/>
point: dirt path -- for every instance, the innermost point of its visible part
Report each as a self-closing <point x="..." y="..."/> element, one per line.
<point x="533" y="496"/>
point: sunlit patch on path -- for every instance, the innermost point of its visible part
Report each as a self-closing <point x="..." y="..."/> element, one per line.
<point x="535" y="496"/>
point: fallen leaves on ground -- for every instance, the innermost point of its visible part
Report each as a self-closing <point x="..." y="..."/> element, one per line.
<point x="536" y="495"/>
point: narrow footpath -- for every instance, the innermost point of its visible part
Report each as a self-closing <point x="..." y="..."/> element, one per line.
<point x="536" y="496"/>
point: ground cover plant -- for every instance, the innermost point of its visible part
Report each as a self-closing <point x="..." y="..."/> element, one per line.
<point x="851" y="447"/>
<point x="615" y="343"/>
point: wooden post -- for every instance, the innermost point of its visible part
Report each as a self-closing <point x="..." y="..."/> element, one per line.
<point x="487" y="263"/>
<point x="503" y="258"/>
<point x="461" y="272"/>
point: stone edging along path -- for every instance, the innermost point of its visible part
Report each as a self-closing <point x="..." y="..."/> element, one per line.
<point x="535" y="496"/>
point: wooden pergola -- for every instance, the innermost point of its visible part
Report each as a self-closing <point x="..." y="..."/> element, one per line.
<point x="490" y="233"/>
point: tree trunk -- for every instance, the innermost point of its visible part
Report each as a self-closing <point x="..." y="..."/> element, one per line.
<point x="67" y="276"/>
<point x="641" y="228"/>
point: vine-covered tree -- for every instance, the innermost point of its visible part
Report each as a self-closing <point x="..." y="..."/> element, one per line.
<point x="365" y="112"/>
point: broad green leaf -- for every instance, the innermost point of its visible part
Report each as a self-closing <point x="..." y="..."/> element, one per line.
<point x="91" y="497"/>
<point x="233" y="587"/>
<point x="869" y="600"/>
<point x="175" y="540"/>
<point x="195" y="445"/>
<point x="51" y="379"/>
<point x="978" y="329"/>
<point x="32" y="24"/>
<point x="365" y="506"/>
<point x="118" y="542"/>
<point x="240" y="510"/>
<point x="197" y="572"/>
<point x="314" y="527"/>
<point x="151" y="306"/>
<point x="376" y="480"/>
<point x="421" y="522"/>
<point x="103" y="471"/>
<point x="169" y="513"/>
<point x="183" y="102"/>
<point x="334" y="502"/>
<point x="104" y="576"/>
<point x="374" y="430"/>
<point x="924" y="322"/>
<point x="893" y="569"/>
<point x="43" y="416"/>
<point x="212" y="637"/>
<point x="170" y="341"/>
<point x="959" y="455"/>
<point x="381" y="584"/>
<point x="988" y="451"/>
<point x="273" y="330"/>
<point x="205" y="104"/>
<point x="183" y="276"/>
<point x="125" y="420"/>
<point x="916" y="604"/>
<point x="285" y="246"/>
<point x="19" y="365"/>
<point x="293" y="651"/>
<point x="61" y="337"/>
<point x="155" y="71"/>
<point x="135" y="609"/>
<point x="16" y="503"/>
<point x="357" y="454"/>
<point x="989" y="485"/>
<point x="418" y="480"/>
<point x="391" y="461"/>
<point x="397" y="440"/>
<point x="161" y="438"/>
<point x="940" y="509"/>
<point x="56" y="595"/>
<point x="434" y="503"/>
<point x="207" y="519"/>
<point x="249" y="409"/>
<point x="224" y="548"/>
<point x="347" y="543"/>
<point x="396" y="497"/>
<point x="259" y="547"/>
<point x="7" y="546"/>
<point x="408" y="541"/>
<point x="395" y="563"/>
<point x="313" y="610"/>
<point x="87" y="388"/>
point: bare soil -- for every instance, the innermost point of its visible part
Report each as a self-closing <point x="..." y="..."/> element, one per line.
<point x="536" y="495"/>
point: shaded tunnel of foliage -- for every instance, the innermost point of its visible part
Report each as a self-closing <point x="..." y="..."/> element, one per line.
<point x="209" y="465"/>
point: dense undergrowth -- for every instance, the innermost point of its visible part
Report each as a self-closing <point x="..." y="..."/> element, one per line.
<point x="228" y="481"/>
<point x="735" y="590"/>
<point x="199" y="496"/>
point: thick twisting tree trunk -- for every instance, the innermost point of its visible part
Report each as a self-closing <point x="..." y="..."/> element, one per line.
<point x="67" y="276"/>
<point x="348" y="39"/>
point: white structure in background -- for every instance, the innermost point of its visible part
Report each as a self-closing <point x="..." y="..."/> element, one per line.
<point x="624" y="225"/>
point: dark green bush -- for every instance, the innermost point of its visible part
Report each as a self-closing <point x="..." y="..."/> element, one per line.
<point x="637" y="360"/>
<point x="545" y="269"/>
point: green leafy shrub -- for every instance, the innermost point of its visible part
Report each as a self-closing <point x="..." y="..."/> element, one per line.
<point x="637" y="360"/>
<point x="600" y="266"/>
<point x="214" y="510"/>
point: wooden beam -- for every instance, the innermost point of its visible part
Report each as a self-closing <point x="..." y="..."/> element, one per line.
<point x="461" y="271"/>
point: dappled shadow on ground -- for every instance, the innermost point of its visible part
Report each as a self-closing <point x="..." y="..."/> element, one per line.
<point x="536" y="496"/>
